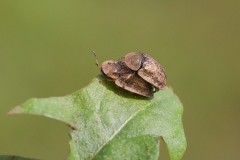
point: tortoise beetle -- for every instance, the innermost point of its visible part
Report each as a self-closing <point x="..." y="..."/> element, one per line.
<point x="147" y="68"/>
<point x="126" y="78"/>
<point x="136" y="72"/>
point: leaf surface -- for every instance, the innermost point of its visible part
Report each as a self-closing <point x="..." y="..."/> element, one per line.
<point x="110" y="123"/>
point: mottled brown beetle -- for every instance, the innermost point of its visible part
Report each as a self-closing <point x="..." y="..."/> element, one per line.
<point x="147" y="68"/>
<point x="125" y="78"/>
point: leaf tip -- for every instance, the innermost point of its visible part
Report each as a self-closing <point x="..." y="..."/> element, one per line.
<point x="15" y="110"/>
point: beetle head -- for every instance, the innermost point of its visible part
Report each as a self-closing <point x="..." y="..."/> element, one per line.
<point x="133" y="60"/>
<point x="111" y="69"/>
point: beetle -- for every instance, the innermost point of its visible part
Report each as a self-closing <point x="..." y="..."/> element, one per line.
<point x="147" y="68"/>
<point x="125" y="78"/>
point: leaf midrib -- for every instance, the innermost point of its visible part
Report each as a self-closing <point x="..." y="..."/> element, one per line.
<point x="119" y="129"/>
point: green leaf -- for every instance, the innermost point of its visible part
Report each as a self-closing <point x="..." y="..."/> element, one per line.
<point x="110" y="123"/>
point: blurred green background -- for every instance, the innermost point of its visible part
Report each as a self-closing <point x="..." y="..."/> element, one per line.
<point x="45" y="50"/>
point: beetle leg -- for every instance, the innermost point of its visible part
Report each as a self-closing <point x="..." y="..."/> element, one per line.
<point x="154" y="89"/>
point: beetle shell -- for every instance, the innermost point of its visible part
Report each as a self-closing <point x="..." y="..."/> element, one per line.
<point x="115" y="69"/>
<point x="135" y="84"/>
<point x="125" y="78"/>
<point x="147" y="68"/>
<point x="133" y="60"/>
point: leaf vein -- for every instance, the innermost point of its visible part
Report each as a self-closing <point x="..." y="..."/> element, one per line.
<point x="119" y="129"/>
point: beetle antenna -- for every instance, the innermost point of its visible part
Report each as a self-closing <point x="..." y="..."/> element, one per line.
<point x="96" y="60"/>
